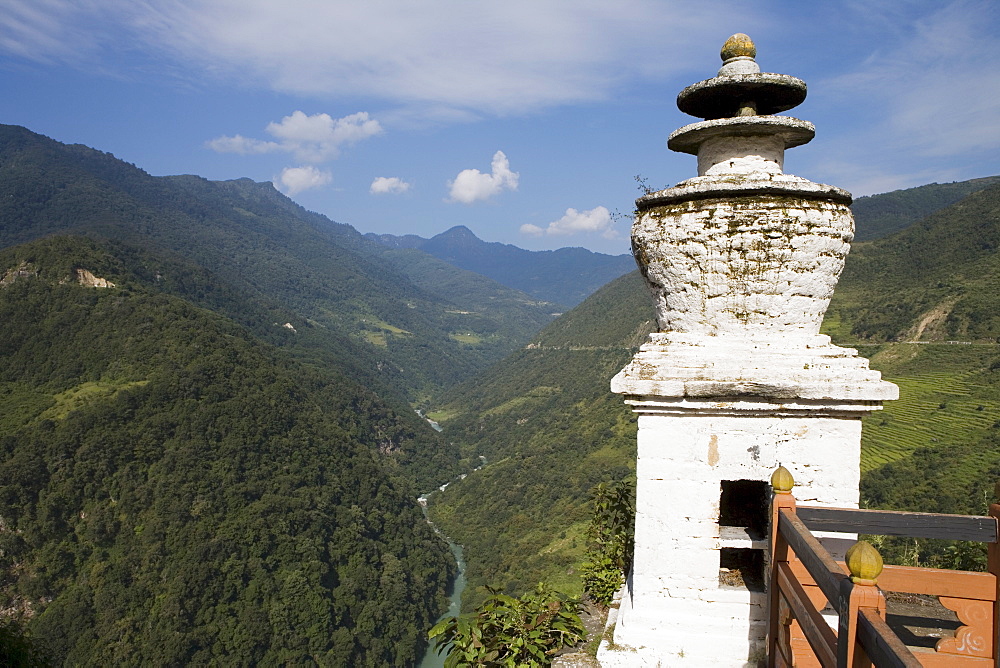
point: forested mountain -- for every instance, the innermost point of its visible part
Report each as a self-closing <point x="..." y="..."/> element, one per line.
<point x="273" y="251"/>
<point x="175" y="491"/>
<point x="937" y="279"/>
<point x="877" y="216"/>
<point x="551" y="429"/>
<point x="564" y="276"/>
<point x="546" y="417"/>
<point x="209" y="452"/>
<point x="937" y="284"/>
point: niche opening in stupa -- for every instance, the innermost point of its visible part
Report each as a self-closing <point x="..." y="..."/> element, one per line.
<point x="744" y="503"/>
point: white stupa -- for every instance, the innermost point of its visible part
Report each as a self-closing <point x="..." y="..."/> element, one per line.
<point x="742" y="261"/>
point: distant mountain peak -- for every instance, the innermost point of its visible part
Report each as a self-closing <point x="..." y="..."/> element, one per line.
<point x="565" y="276"/>
<point x="459" y="231"/>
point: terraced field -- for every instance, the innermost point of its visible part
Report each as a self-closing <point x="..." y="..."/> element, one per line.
<point x="936" y="408"/>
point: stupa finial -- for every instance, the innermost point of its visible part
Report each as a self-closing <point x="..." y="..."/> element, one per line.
<point x="738" y="55"/>
<point x="738" y="46"/>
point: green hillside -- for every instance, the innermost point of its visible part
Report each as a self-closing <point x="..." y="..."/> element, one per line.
<point x="551" y="430"/>
<point x="936" y="448"/>
<point x="273" y="251"/>
<point x="621" y="314"/>
<point x="930" y="296"/>
<point x="486" y="315"/>
<point x="215" y="460"/>
<point x="174" y="491"/>
<point x="949" y="401"/>
<point x="880" y="215"/>
<point x="936" y="280"/>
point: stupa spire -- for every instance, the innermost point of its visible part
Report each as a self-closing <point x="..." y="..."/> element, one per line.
<point x="741" y="89"/>
<point x="738" y="107"/>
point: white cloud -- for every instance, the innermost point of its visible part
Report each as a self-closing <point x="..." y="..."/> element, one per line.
<point x="596" y="220"/>
<point x="894" y="82"/>
<point x="383" y="185"/>
<point x="484" y="57"/>
<point x="471" y="185"/>
<point x="294" y="180"/>
<point x="314" y="139"/>
<point x="242" y="145"/>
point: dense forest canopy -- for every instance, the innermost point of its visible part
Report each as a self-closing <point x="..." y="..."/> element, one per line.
<point x="175" y="491"/>
<point x="214" y="456"/>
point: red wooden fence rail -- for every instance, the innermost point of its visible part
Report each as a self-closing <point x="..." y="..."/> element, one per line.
<point x="804" y="580"/>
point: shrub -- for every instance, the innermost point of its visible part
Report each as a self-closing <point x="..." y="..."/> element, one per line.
<point x="17" y="648"/>
<point x="601" y="579"/>
<point x="508" y="631"/>
<point x="612" y="540"/>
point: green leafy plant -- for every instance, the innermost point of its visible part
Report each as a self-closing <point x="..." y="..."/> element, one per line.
<point x="508" y="631"/>
<point x="601" y="579"/>
<point x="612" y="539"/>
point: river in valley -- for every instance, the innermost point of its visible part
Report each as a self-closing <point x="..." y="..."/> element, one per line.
<point x="431" y="658"/>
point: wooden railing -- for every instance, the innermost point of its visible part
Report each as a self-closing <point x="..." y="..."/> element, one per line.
<point x="804" y="580"/>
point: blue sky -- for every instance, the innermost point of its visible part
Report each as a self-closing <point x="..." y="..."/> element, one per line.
<point x="526" y="120"/>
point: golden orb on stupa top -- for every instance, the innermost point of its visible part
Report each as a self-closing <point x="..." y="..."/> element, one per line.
<point x="739" y="45"/>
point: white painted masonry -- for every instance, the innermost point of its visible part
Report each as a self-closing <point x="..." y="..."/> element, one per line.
<point x="742" y="261"/>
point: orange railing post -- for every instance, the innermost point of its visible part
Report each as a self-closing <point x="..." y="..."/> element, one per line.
<point x="993" y="566"/>
<point x="782" y="498"/>
<point x="857" y="592"/>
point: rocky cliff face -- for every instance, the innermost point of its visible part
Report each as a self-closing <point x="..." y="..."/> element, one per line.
<point x="23" y="270"/>
<point x="79" y="275"/>
<point x="88" y="280"/>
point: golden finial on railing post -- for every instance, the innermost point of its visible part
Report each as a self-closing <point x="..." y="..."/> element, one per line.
<point x="864" y="562"/>
<point x="782" y="499"/>
<point x="781" y="484"/>
<point x="857" y="592"/>
<point x="782" y="481"/>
